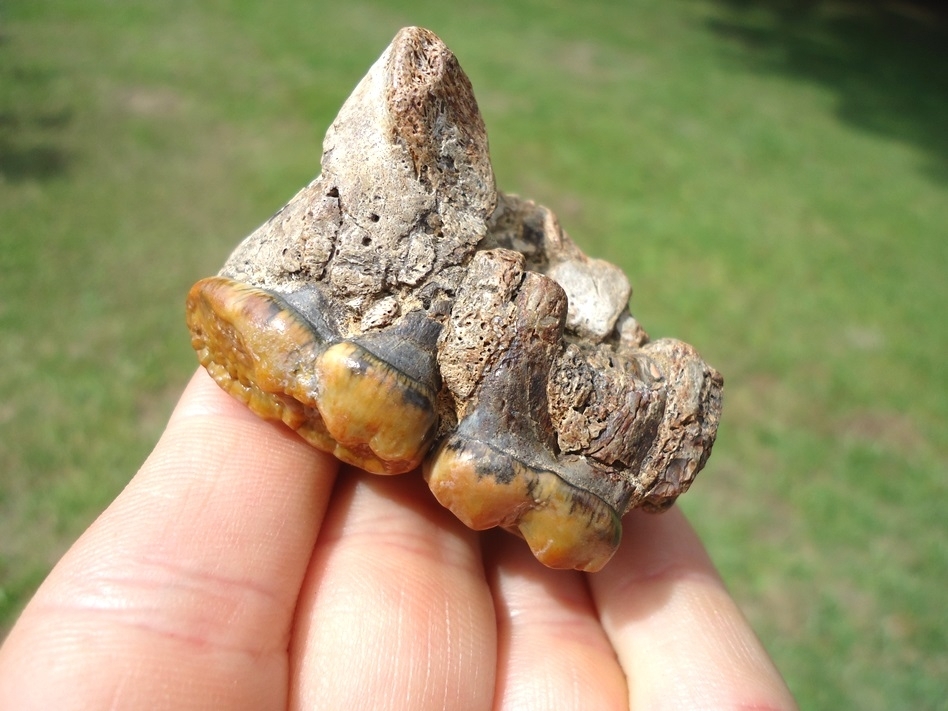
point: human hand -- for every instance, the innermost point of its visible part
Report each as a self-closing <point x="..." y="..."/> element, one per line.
<point x="235" y="572"/>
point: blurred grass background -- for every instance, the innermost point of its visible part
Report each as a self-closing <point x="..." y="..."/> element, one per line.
<point x="773" y="176"/>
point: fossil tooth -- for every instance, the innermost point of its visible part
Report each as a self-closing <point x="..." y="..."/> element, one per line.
<point x="406" y="176"/>
<point x="376" y="413"/>
<point x="500" y="467"/>
<point x="399" y="311"/>
<point x="565" y="526"/>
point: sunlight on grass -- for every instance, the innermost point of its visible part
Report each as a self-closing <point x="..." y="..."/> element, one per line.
<point x="774" y="180"/>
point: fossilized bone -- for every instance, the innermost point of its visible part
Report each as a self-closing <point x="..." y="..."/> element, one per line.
<point x="400" y="311"/>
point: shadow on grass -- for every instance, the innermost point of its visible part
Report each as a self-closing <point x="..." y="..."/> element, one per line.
<point x="30" y="127"/>
<point x="25" y="162"/>
<point x="886" y="60"/>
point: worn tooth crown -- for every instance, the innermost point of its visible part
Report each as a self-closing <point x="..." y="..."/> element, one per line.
<point x="400" y="310"/>
<point x="564" y="526"/>
<point x="338" y="396"/>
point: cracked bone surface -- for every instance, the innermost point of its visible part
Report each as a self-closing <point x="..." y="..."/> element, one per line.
<point x="400" y="311"/>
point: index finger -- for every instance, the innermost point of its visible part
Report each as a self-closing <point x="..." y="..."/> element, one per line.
<point x="184" y="589"/>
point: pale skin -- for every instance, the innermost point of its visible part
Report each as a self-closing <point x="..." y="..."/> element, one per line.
<point x="242" y="569"/>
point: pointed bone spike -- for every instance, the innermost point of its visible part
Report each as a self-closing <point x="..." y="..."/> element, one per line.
<point x="410" y="140"/>
<point x="406" y="172"/>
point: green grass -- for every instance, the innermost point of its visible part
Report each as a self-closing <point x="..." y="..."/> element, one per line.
<point x="774" y="181"/>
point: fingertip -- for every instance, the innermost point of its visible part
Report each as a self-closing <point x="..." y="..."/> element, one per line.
<point x="202" y="397"/>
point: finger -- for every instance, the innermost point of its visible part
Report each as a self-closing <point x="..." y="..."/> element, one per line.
<point x="680" y="638"/>
<point x="551" y="649"/>
<point x="395" y="612"/>
<point x="181" y="595"/>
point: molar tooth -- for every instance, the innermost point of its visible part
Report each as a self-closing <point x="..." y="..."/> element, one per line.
<point x="500" y="468"/>
<point x="338" y="396"/>
<point x="477" y="483"/>
<point x="564" y="526"/>
<point x="253" y="345"/>
<point x="570" y="528"/>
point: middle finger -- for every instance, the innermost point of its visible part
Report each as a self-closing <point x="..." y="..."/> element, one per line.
<point x="551" y="648"/>
<point x="395" y="611"/>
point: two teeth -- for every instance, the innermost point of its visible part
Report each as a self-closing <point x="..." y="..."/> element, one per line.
<point x="348" y="401"/>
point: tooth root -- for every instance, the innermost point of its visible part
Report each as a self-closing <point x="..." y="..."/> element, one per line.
<point x="338" y="397"/>
<point x="564" y="526"/>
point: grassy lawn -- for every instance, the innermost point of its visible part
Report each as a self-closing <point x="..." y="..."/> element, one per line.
<point x="774" y="181"/>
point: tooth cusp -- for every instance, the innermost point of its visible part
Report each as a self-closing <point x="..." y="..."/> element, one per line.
<point x="369" y="406"/>
<point x="564" y="526"/>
